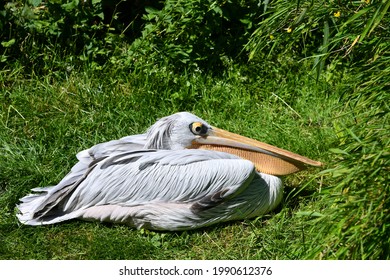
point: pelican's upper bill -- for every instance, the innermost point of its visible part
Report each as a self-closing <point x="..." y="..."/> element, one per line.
<point x="267" y="158"/>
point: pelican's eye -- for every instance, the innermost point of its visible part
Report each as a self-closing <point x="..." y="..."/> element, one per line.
<point x="198" y="128"/>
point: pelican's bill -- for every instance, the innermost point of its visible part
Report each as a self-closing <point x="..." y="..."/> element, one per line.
<point x="266" y="158"/>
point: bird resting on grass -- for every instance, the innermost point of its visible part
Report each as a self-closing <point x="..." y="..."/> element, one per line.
<point x="181" y="174"/>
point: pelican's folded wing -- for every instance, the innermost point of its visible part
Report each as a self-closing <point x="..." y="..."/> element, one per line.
<point x="131" y="187"/>
<point x="148" y="176"/>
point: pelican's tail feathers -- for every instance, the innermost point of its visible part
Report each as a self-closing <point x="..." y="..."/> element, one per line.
<point x="26" y="218"/>
<point x="42" y="207"/>
<point x="43" y="203"/>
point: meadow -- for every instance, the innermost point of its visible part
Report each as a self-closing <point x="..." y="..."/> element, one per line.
<point x="308" y="76"/>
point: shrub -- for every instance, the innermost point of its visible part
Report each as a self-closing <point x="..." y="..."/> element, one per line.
<point x="180" y="33"/>
<point x="56" y="34"/>
<point x="196" y="33"/>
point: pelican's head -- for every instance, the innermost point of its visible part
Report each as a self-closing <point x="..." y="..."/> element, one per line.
<point x="186" y="131"/>
<point x="176" y="132"/>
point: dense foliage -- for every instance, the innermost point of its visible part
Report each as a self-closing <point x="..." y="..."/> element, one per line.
<point x="319" y="69"/>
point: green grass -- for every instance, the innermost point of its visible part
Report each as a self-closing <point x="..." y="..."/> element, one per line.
<point x="46" y="120"/>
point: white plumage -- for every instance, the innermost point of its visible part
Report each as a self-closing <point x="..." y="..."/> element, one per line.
<point x="158" y="180"/>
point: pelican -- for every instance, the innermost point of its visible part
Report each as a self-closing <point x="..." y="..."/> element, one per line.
<point x="181" y="174"/>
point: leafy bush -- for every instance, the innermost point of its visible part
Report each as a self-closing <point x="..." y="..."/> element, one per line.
<point x="180" y="33"/>
<point x="196" y="32"/>
<point x="57" y="34"/>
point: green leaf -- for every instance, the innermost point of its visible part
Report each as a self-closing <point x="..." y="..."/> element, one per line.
<point x="370" y="26"/>
<point x="35" y="3"/>
<point x="7" y="44"/>
<point x="71" y="5"/>
<point x="218" y="10"/>
<point x="356" y="16"/>
<point x="100" y="15"/>
<point x="151" y="10"/>
<point x="320" y="60"/>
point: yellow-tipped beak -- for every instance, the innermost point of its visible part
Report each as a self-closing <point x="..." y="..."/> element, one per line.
<point x="266" y="158"/>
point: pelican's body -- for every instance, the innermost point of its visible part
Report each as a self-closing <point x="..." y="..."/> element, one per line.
<point x="161" y="180"/>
